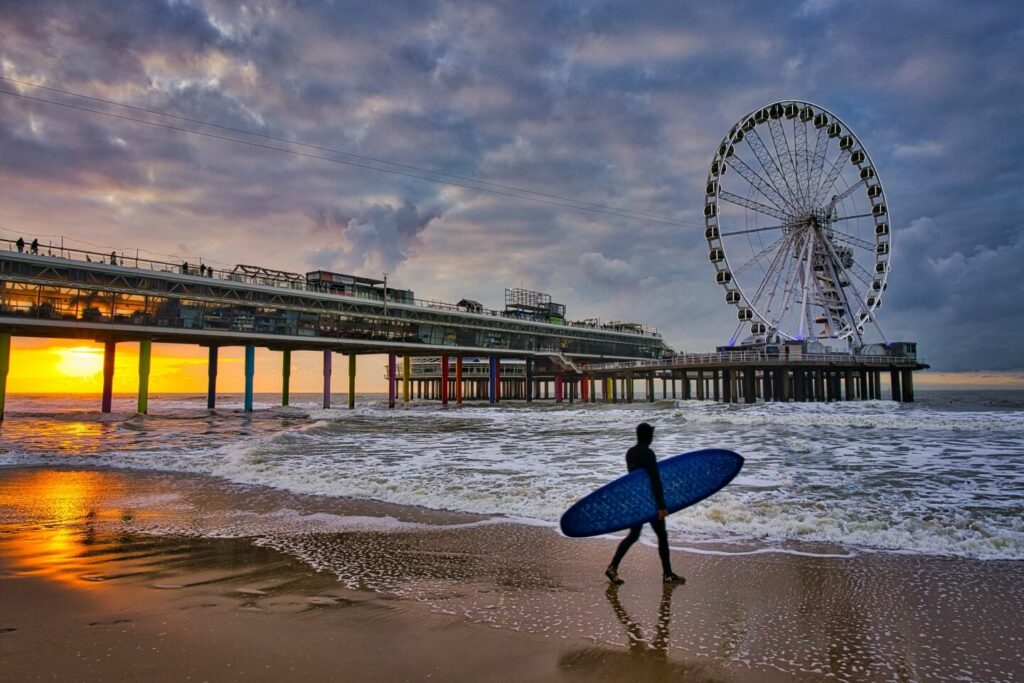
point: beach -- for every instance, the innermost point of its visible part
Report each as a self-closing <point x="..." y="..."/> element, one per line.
<point x="119" y="575"/>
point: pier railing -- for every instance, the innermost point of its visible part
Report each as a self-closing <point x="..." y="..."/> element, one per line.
<point x="689" y="360"/>
<point x="200" y="269"/>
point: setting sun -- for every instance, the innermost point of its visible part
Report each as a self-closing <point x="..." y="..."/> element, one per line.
<point x="79" y="361"/>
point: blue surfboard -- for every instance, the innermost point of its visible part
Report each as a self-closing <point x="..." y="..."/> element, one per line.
<point x="628" y="501"/>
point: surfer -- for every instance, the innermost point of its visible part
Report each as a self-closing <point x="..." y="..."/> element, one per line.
<point x="642" y="457"/>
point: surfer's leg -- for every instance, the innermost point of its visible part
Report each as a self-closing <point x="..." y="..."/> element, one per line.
<point x="659" y="530"/>
<point x="628" y="541"/>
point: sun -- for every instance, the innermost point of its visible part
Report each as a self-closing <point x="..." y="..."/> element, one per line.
<point x="79" y="361"/>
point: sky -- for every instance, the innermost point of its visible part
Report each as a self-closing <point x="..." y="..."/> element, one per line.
<point x="619" y="104"/>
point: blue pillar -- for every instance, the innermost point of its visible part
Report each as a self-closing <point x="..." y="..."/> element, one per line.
<point x="493" y="384"/>
<point x="250" y="369"/>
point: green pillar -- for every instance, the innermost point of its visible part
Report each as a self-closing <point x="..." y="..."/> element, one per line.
<point x="5" y="364"/>
<point x="250" y="370"/>
<point x="286" y="375"/>
<point x="351" y="381"/>
<point x="145" y="349"/>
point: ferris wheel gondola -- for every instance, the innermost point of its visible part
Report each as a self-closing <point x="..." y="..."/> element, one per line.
<point x="797" y="226"/>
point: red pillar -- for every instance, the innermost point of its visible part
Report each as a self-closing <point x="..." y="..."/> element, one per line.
<point x="558" y="388"/>
<point x="327" y="377"/>
<point x="444" y="380"/>
<point x="584" y="389"/>
<point x="108" y="376"/>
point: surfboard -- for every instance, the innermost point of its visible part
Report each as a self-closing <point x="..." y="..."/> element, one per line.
<point x="628" y="501"/>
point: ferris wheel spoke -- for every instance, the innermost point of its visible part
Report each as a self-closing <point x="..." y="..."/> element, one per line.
<point x="778" y="269"/>
<point x="752" y="205"/>
<point x="757" y="257"/>
<point x="771" y="169"/>
<point x="846" y="193"/>
<point x="817" y="162"/>
<point x="759" y="183"/>
<point x="833" y="173"/>
<point x="800" y="157"/>
<point x="833" y="262"/>
<point x="785" y="159"/>
<point x="745" y="232"/>
<point x="853" y="241"/>
<point x="850" y="218"/>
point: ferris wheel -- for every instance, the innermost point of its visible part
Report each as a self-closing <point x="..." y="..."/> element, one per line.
<point x="797" y="226"/>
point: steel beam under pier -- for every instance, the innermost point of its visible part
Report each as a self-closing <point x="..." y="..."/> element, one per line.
<point x="908" y="386"/>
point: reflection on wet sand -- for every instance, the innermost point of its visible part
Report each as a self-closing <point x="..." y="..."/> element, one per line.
<point x="644" y="659"/>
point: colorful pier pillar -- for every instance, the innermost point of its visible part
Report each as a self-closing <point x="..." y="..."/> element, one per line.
<point x="492" y="393"/>
<point x="211" y="384"/>
<point x="250" y="371"/>
<point x="529" y="380"/>
<point x="328" y="358"/>
<point x="109" y="348"/>
<point x="286" y="376"/>
<point x="145" y="350"/>
<point x="351" y="381"/>
<point x="5" y="366"/>
<point x="458" y="380"/>
<point x="392" y="380"/>
<point x="585" y="389"/>
<point x="444" y="380"/>
<point x="558" y="387"/>
<point x="406" y="373"/>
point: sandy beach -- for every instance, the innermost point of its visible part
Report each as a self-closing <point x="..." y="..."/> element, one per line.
<point x="99" y="581"/>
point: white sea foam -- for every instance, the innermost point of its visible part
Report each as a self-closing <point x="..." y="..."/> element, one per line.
<point x="857" y="475"/>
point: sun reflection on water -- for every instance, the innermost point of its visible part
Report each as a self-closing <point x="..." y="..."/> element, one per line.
<point x="53" y="513"/>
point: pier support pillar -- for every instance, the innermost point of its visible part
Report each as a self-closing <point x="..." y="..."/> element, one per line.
<point x="406" y="377"/>
<point x="559" y="387"/>
<point x="686" y="386"/>
<point x="109" y="348"/>
<point x="5" y="366"/>
<point x="328" y="359"/>
<point x="351" y="381"/>
<point x="444" y="380"/>
<point x="878" y="384"/>
<point x="908" y="386"/>
<point x="458" y="380"/>
<point x="492" y="393"/>
<point x="819" y="385"/>
<point x="700" y="385"/>
<point x="895" y="385"/>
<point x="529" y="380"/>
<point x="211" y="383"/>
<point x="749" y="386"/>
<point x="726" y="386"/>
<point x="286" y="376"/>
<point x="145" y="352"/>
<point x="849" y="384"/>
<point x="392" y="380"/>
<point x="250" y="371"/>
<point x="585" y="389"/>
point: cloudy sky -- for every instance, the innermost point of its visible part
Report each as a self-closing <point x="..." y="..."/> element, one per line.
<point x="618" y="104"/>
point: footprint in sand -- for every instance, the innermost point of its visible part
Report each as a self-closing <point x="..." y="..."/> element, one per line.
<point x="110" y="623"/>
<point x="7" y="630"/>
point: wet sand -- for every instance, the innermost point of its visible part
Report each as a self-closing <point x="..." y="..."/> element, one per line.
<point x="110" y="575"/>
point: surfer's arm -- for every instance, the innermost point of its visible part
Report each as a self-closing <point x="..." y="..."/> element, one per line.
<point x="656" y="488"/>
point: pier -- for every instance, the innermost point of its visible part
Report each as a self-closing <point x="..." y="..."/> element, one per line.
<point x="53" y="292"/>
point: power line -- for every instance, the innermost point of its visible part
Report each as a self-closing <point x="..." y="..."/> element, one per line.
<point x="477" y="184"/>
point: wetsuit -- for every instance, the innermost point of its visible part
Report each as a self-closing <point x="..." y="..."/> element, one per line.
<point x="641" y="457"/>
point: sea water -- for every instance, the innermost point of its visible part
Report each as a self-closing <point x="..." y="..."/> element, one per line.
<point x="943" y="476"/>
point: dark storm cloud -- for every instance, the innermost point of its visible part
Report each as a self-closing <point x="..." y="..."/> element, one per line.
<point x="604" y="102"/>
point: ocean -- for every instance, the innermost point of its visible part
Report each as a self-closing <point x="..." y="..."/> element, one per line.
<point x="943" y="476"/>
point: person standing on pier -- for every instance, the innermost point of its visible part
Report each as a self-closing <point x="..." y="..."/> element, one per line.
<point x="34" y="247"/>
<point x="20" y="244"/>
<point x="642" y="457"/>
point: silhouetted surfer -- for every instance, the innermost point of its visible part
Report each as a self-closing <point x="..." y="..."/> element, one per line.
<point x="642" y="457"/>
